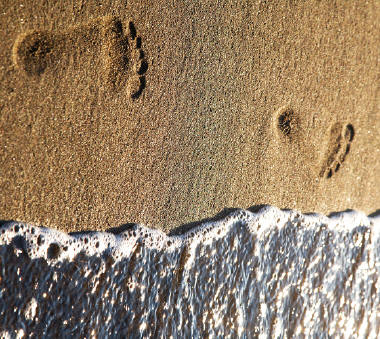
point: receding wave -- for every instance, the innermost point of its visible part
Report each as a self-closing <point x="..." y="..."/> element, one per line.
<point x="270" y="273"/>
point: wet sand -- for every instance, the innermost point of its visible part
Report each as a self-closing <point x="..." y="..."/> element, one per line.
<point x="165" y="113"/>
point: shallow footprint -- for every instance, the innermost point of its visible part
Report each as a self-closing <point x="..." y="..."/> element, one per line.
<point x="36" y="52"/>
<point x="33" y="52"/>
<point x="124" y="58"/>
<point x="341" y="137"/>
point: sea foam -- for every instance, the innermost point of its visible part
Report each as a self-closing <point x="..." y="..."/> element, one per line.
<point x="269" y="273"/>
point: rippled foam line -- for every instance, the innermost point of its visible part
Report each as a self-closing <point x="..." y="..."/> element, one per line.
<point x="56" y="245"/>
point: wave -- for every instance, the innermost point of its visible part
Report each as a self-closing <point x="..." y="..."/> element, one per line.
<point x="261" y="273"/>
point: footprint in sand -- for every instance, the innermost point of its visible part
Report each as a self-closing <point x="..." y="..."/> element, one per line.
<point x="287" y="123"/>
<point x="122" y="58"/>
<point x="341" y="137"/>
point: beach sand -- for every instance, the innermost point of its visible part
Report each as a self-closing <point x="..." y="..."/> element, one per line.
<point x="164" y="113"/>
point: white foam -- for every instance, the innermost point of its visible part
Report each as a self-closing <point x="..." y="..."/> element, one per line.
<point x="269" y="273"/>
<point x="38" y="240"/>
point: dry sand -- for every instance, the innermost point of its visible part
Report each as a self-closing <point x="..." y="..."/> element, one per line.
<point x="166" y="112"/>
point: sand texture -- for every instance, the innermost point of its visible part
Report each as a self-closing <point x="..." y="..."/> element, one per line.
<point x="164" y="113"/>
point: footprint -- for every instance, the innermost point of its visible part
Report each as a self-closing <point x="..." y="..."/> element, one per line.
<point x="341" y="137"/>
<point x="287" y="124"/>
<point x="122" y="57"/>
<point x="32" y="52"/>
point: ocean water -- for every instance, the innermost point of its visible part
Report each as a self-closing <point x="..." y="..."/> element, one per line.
<point x="264" y="274"/>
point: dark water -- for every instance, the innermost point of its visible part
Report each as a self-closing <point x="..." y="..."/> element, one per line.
<point x="270" y="274"/>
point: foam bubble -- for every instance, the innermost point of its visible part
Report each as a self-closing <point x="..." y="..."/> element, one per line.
<point x="31" y="309"/>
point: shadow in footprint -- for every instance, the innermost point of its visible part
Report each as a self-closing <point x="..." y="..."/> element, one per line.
<point x="33" y="52"/>
<point x="287" y="124"/>
<point x="341" y="137"/>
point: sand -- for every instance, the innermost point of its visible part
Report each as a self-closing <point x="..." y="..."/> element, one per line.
<point x="165" y="113"/>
